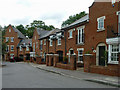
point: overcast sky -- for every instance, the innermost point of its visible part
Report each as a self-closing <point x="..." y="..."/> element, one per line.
<point x="52" y="12"/>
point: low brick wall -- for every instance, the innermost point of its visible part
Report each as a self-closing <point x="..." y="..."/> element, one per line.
<point x="39" y="60"/>
<point x="112" y="71"/>
<point x="64" y="66"/>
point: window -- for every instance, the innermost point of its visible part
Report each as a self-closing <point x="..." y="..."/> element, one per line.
<point x="7" y="48"/>
<point x="41" y="54"/>
<point x="51" y="42"/>
<point x="33" y="47"/>
<point x="70" y="34"/>
<point x="36" y="44"/>
<point x="20" y="48"/>
<point x="113" y="54"/>
<point x="113" y="1"/>
<point x="12" y="39"/>
<point x="101" y="23"/>
<point x="44" y="41"/>
<point x="27" y="48"/>
<point x="81" y="35"/>
<point x="80" y="55"/>
<point x="59" y="41"/>
<point x="41" y="43"/>
<point x="12" y="47"/>
<point x="7" y="39"/>
<point x="11" y="56"/>
<point x="9" y="30"/>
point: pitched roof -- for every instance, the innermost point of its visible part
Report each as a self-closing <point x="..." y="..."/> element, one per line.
<point x="83" y="19"/>
<point x="24" y="41"/>
<point x="54" y="31"/>
<point x="42" y="32"/>
<point x="20" y="35"/>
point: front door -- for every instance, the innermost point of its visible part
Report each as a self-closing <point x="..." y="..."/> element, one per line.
<point x="60" y="56"/>
<point x="102" y="55"/>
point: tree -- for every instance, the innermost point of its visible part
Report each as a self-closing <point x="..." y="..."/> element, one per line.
<point x="22" y="29"/>
<point x="73" y="18"/>
<point x="37" y="24"/>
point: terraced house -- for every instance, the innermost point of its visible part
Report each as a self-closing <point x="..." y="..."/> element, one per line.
<point x="12" y="38"/>
<point x="92" y="42"/>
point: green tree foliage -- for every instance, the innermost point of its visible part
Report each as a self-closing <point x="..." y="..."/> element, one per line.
<point x="22" y="29"/>
<point x="29" y="29"/>
<point x="73" y="18"/>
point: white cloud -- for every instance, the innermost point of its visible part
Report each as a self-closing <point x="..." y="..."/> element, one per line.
<point x="50" y="11"/>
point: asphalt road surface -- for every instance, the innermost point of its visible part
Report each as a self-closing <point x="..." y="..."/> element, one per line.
<point x="23" y="75"/>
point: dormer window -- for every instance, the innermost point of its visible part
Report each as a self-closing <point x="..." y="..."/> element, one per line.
<point x="20" y="48"/>
<point x="27" y="48"/>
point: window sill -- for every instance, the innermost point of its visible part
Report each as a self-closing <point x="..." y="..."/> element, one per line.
<point x="70" y="37"/>
<point x="100" y="30"/>
<point x="113" y="62"/>
<point x="79" y="61"/>
<point x="59" y="44"/>
<point x="80" y="44"/>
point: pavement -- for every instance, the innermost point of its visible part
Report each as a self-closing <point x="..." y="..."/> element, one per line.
<point x="80" y="74"/>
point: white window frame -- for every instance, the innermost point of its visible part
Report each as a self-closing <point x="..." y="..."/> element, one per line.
<point x="12" y="46"/>
<point x="27" y="48"/>
<point x="12" y="39"/>
<point x="33" y="47"/>
<point x="44" y="41"/>
<point x="7" y="39"/>
<point x="70" y="34"/>
<point x="110" y="56"/>
<point x="51" y="42"/>
<point x="20" y="48"/>
<point x="36" y="44"/>
<point x="99" y="23"/>
<point x="59" y="41"/>
<point x="80" y="35"/>
<point x="41" y="54"/>
<point x="11" y="56"/>
<point x="9" y="29"/>
<point x="81" y="55"/>
<point x="113" y="1"/>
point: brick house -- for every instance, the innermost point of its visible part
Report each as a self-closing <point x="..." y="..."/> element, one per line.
<point x="12" y="37"/>
<point x="24" y="49"/>
<point x="75" y="39"/>
<point x="51" y="43"/>
<point x="102" y="37"/>
<point x="35" y="40"/>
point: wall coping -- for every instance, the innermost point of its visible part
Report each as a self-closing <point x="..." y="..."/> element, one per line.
<point x="88" y="54"/>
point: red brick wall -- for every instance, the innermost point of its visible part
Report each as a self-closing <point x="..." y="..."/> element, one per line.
<point x="93" y="38"/>
<point x="37" y="50"/>
<point x="16" y="40"/>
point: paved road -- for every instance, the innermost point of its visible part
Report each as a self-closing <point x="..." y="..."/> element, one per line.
<point x="23" y="75"/>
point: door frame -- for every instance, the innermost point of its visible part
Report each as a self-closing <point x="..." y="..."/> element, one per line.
<point x="97" y="52"/>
